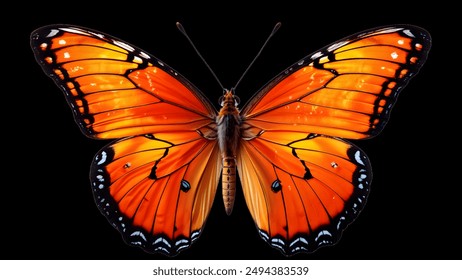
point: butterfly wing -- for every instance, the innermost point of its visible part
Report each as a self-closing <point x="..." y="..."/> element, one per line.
<point x="115" y="89"/>
<point x="303" y="184"/>
<point x="156" y="194"/>
<point x="346" y="89"/>
<point x="302" y="193"/>
<point x="156" y="184"/>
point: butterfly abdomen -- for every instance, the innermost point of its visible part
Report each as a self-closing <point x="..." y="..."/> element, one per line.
<point x="228" y="123"/>
<point x="228" y="183"/>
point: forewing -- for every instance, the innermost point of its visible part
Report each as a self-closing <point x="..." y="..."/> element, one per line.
<point x="346" y="89"/>
<point x="115" y="89"/>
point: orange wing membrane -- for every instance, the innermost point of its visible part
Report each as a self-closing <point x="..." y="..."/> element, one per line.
<point x="346" y="89"/>
<point x="308" y="190"/>
<point x="115" y="89"/>
<point x="150" y="190"/>
<point x="303" y="182"/>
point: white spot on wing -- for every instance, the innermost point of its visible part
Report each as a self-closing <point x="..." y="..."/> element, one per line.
<point x="145" y="55"/>
<point x="337" y="45"/>
<point x="387" y="30"/>
<point x="408" y="33"/>
<point x="316" y="55"/>
<point x="340" y="222"/>
<point x="358" y="158"/>
<point x="264" y="235"/>
<point x="323" y="233"/>
<point x="277" y="242"/>
<point x="123" y="45"/>
<point x="137" y="59"/>
<point x="300" y="239"/>
<point x="162" y="240"/>
<point x="52" y="33"/>
<point x="74" y="30"/>
<point x="103" y="158"/>
<point x="138" y="233"/>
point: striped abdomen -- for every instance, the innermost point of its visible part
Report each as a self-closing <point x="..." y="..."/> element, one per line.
<point x="228" y="183"/>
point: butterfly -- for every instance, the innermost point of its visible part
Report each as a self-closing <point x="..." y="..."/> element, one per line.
<point x="303" y="181"/>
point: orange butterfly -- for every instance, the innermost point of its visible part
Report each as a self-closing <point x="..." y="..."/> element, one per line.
<point x="302" y="182"/>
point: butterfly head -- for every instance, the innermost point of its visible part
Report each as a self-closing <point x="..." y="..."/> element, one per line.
<point x="229" y="99"/>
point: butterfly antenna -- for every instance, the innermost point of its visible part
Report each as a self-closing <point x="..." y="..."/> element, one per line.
<point x="182" y="30"/>
<point x="275" y="29"/>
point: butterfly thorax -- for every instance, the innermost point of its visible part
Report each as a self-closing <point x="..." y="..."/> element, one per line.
<point x="228" y="126"/>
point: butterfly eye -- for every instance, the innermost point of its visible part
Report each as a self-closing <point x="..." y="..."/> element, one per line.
<point x="237" y="100"/>
<point x="221" y="101"/>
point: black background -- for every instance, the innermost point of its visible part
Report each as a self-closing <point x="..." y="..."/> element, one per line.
<point x="47" y="208"/>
